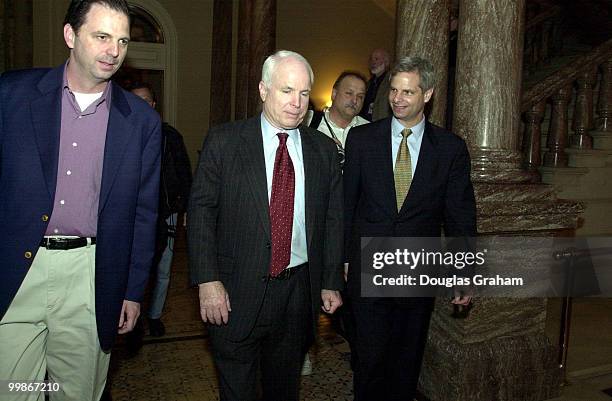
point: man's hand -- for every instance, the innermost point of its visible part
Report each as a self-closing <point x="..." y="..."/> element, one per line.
<point x="214" y="303"/>
<point x="129" y="315"/>
<point x="462" y="297"/>
<point x="331" y="300"/>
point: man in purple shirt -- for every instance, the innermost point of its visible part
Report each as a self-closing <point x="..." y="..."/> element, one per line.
<point x="79" y="187"/>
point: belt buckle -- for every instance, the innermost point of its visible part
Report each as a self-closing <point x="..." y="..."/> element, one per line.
<point x="61" y="244"/>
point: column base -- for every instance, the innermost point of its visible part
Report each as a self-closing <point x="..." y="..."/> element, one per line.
<point x="501" y="351"/>
<point x="498" y="165"/>
<point x="510" y="368"/>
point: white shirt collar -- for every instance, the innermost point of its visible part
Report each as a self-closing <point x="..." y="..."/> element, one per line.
<point x="269" y="131"/>
<point x="354" y="122"/>
<point x="417" y="130"/>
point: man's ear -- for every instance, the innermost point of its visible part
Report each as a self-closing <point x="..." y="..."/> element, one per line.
<point x="69" y="36"/>
<point x="263" y="91"/>
<point x="334" y="93"/>
<point x="428" y="94"/>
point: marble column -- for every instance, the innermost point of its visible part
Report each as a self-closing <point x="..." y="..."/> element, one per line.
<point x="256" y="41"/>
<point x="500" y="351"/>
<point x="423" y="30"/>
<point x="487" y="89"/>
<point x="242" y="60"/>
<point x="2" y="36"/>
<point x="221" y="65"/>
<point x="17" y="34"/>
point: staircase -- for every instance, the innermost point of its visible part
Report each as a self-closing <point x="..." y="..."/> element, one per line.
<point x="567" y="115"/>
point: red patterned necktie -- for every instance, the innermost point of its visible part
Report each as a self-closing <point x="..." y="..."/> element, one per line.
<point x="281" y="207"/>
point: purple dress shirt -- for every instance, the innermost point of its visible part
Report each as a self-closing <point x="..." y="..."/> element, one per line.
<point x="79" y="170"/>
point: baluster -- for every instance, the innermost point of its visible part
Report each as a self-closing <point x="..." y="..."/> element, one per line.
<point x="529" y="51"/>
<point x="604" y="103"/>
<point x="533" y="133"/>
<point x="583" y="113"/>
<point x="556" y="34"/>
<point x="535" y="56"/>
<point x="557" y="134"/>
<point x="545" y="42"/>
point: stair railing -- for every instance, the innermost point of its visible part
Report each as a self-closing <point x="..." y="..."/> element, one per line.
<point x="573" y="84"/>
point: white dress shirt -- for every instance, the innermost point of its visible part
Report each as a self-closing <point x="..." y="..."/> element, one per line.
<point x="339" y="132"/>
<point x="299" y="251"/>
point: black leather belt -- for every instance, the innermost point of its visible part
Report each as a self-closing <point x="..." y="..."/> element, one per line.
<point x="287" y="273"/>
<point x="65" y="243"/>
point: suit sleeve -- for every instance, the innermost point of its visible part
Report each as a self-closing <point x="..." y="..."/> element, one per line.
<point x="352" y="179"/>
<point x="145" y="220"/>
<point x="460" y="204"/>
<point x="203" y="211"/>
<point x="332" y="270"/>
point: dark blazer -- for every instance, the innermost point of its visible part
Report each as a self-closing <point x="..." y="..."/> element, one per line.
<point x="441" y="195"/>
<point x="381" y="108"/>
<point x="30" y="117"/>
<point x="229" y="224"/>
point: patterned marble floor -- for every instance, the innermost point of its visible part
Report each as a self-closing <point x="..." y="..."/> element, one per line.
<point x="178" y="366"/>
<point x="183" y="370"/>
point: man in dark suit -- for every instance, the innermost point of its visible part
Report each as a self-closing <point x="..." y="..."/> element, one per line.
<point x="403" y="177"/>
<point x="265" y="236"/>
<point x="79" y="186"/>
<point x="173" y="194"/>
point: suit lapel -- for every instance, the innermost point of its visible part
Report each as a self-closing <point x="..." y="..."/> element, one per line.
<point x="251" y="153"/>
<point x="117" y="137"/>
<point x="46" y="114"/>
<point x="312" y="174"/>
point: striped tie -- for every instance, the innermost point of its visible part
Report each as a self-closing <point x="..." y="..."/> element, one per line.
<point x="403" y="170"/>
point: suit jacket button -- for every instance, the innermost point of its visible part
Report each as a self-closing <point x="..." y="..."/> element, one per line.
<point x="28" y="255"/>
<point x="45" y="217"/>
<point x="268" y="245"/>
<point x="264" y="279"/>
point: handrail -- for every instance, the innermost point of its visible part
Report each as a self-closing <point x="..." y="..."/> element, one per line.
<point x="542" y="35"/>
<point x="551" y="12"/>
<point x="564" y="76"/>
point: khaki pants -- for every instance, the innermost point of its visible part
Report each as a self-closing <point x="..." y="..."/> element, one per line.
<point x="50" y="326"/>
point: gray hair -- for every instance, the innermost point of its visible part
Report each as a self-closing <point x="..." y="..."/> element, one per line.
<point x="418" y="65"/>
<point x="273" y="60"/>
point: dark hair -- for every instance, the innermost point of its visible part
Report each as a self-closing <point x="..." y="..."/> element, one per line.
<point x="348" y="73"/>
<point x="142" y="85"/>
<point x="78" y="9"/>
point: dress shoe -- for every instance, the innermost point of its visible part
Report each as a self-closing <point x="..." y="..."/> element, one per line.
<point x="133" y="340"/>
<point x="156" y="327"/>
